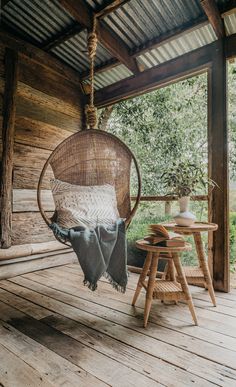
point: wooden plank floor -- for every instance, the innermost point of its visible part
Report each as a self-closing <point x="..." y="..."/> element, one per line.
<point x="56" y="332"/>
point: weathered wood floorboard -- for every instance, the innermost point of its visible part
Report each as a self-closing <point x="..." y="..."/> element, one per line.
<point x="97" y="338"/>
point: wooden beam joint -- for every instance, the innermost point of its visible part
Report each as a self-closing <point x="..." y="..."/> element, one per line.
<point x="84" y="15"/>
<point x="211" y="10"/>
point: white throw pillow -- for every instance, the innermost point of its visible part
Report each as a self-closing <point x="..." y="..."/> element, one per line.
<point x="85" y="206"/>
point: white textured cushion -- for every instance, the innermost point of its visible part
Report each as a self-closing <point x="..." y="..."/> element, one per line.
<point x="84" y="205"/>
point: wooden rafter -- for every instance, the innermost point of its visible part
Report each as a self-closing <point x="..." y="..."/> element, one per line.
<point x="83" y="15"/>
<point x="173" y="34"/>
<point x="109" y="6"/>
<point x="76" y="28"/>
<point x="153" y="43"/>
<point x="156" y="76"/>
<point x="61" y="37"/>
<point x="214" y="17"/>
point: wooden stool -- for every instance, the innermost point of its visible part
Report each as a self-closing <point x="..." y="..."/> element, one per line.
<point x="197" y="275"/>
<point x="163" y="289"/>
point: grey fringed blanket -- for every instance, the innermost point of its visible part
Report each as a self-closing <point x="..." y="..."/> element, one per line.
<point x="101" y="252"/>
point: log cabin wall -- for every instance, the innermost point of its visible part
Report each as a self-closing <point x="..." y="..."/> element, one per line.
<point x="49" y="108"/>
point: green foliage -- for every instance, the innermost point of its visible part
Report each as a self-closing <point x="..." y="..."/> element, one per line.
<point x="162" y="126"/>
<point x="184" y="178"/>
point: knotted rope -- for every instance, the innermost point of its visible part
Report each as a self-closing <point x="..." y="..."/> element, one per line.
<point x="90" y="109"/>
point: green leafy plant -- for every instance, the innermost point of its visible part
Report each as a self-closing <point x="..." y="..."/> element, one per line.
<point x="184" y="178"/>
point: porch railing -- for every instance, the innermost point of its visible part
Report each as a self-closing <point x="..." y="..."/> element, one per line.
<point x="168" y="200"/>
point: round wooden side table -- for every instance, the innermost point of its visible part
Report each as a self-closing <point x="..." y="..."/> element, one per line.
<point x="197" y="274"/>
<point x="163" y="289"/>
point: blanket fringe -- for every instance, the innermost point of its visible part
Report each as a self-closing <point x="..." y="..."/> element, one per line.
<point x="120" y="288"/>
<point x="115" y="285"/>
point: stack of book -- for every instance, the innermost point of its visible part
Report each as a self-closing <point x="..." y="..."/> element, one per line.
<point x="161" y="237"/>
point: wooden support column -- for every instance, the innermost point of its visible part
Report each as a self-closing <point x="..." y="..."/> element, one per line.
<point x="11" y="75"/>
<point x="218" y="168"/>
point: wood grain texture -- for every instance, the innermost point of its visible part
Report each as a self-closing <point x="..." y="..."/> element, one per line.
<point x="30" y="227"/>
<point x="13" y="369"/>
<point x="218" y="169"/>
<point x="73" y="109"/>
<point x="8" y="128"/>
<point x="84" y="15"/>
<point x="38" y="77"/>
<point x="9" y="270"/>
<point x="26" y="177"/>
<point x="25" y="200"/>
<point x="49" y="107"/>
<point x="211" y="10"/>
<point x="158" y="76"/>
<point x="177" y="355"/>
<point x="38" y="134"/>
<point x="30" y="249"/>
<point x="29" y="156"/>
<point x="33" y="54"/>
<point x="51" y="366"/>
<point x="30" y="109"/>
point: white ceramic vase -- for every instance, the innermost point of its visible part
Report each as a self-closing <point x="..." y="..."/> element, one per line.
<point x="184" y="217"/>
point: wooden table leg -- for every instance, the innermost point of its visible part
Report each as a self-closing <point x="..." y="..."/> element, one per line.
<point x="184" y="285"/>
<point x="204" y="265"/>
<point x="150" y="287"/>
<point x="142" y="276"/>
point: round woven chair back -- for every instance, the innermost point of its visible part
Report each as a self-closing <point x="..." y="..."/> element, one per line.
<point x="94" y="157"/>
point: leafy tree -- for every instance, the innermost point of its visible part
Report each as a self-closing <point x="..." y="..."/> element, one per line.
<point x="164" y="126"/>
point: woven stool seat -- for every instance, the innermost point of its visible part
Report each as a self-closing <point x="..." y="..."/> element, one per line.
<point x="163" y="289"/>
<point x="167" y="290"/>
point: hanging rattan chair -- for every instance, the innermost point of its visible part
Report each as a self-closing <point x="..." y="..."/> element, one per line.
<point x="94" y="157"/>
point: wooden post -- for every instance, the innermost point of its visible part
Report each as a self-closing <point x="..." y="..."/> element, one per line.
<point x="167" y="208"/>
<point x="11" y="75"/>
<point x="218" y="169"/>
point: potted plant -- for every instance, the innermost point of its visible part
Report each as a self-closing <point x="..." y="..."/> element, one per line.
<point x="183" y="179"/>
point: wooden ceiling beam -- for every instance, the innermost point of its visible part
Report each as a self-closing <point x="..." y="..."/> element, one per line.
<point x="156" y="77"/>
<point x="63" y="36"/>
<point x="101" y="68"/>
<point x="167" y="37"/>
<point x="76" y="28"/>
<point x="84" y="15"/>
<point x="109" y="7"/>
<point x="153" y="43"/>
<point x="211" y="10"/>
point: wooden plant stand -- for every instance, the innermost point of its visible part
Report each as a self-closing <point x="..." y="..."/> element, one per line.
<point x="165" y="290"/>
<point x="197" y="275"/>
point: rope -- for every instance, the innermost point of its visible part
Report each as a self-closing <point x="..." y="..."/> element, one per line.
<point x="90" y="109"/>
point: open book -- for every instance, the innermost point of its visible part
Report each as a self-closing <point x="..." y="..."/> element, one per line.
<point x="160" y="236"/>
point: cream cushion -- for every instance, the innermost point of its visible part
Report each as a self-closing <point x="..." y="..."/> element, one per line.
<point x="85" y="206"/>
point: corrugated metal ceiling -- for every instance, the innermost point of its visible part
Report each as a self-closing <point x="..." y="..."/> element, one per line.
<point x="230" y="23"/>
<point x="135" y="22"/>
<point x="138" y="21"/>
<point x="176" y="47"/>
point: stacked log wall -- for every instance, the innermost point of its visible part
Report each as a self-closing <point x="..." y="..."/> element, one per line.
<point x="48" y="109"/>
